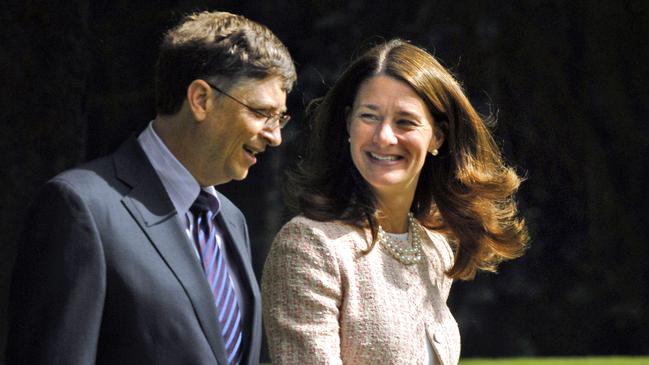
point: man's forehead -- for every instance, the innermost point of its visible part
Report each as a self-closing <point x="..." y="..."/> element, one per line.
<point x="269" y="91"/>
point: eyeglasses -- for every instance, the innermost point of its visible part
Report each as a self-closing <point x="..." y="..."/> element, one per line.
<point x="272" y="121"/>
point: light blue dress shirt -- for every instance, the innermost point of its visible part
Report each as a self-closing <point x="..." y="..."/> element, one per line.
<point x="183" y="189"/>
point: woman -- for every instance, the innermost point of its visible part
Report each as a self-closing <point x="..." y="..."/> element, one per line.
<point x="401" y="190"/>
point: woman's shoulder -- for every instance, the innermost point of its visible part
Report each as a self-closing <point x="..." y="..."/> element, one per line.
<point x="304" y="242"/>
<point x="325" y="233"/>
<point x="331" y="229"/>
<point x="442" y="245"/>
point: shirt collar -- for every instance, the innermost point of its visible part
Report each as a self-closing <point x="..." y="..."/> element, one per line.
<point x="179" y="183"/>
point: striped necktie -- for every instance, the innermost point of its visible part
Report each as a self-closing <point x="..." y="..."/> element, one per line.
<point x="215" y="267"/>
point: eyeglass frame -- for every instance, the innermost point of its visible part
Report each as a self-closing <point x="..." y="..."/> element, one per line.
<point x="272" y="121"/>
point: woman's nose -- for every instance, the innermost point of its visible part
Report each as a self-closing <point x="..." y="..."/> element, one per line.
<point x="384" y="134"/>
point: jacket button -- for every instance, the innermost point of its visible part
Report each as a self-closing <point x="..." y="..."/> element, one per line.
<point x="437" y="337"/>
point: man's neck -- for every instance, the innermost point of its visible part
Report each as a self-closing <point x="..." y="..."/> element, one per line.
<point x="175" y="133"/>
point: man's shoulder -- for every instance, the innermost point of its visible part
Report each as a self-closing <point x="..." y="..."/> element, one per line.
<point x="86" y="175"/>
<point x="83" y="187"/>
<point x="99" y="173"/>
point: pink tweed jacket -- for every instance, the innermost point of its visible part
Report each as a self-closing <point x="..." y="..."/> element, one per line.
<point x="325" y="302"/>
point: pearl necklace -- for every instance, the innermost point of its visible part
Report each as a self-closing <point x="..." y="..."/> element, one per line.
<point x="409" y="255"/>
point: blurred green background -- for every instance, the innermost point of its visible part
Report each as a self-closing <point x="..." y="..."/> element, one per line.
<point x="567" y="81"/>
<point x="608" y="360"/>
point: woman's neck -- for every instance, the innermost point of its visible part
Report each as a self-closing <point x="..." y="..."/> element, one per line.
<point x="393" y="211"/>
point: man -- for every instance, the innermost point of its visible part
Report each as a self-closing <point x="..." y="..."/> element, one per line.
<point x="136" y="258"/>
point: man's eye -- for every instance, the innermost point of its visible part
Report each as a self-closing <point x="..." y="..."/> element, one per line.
<point x="259" y="113"/>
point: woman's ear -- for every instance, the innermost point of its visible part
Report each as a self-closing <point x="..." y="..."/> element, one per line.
<point x="348" y="117"/>
<point x="438" y="138"/>
<point x="198" y="99"/>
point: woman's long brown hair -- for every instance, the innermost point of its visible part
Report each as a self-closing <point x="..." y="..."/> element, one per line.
<point x="466" y="192"/>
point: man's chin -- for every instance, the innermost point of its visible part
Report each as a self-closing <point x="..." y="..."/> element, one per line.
<point x="241" y="176"/>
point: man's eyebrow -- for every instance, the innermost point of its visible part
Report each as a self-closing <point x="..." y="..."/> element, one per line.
<point x="268" y="107"/>
<point x="271" y="109"/>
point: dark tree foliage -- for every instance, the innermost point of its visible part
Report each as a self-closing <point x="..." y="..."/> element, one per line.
<point x="44" y="53"/>
<point x="566" y="81"/>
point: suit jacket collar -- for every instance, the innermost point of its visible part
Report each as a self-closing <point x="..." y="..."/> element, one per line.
<point x="150" y="206"/>
<point x="237" y="233"/>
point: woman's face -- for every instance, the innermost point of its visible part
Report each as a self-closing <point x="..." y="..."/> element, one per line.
<point x="391" y="130"/>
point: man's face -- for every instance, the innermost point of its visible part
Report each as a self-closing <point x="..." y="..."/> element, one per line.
<point x="232" y="136"/>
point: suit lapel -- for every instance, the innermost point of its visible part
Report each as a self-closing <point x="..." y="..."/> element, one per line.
<point x="239" y="242"/>
<point x="151" y="207"/>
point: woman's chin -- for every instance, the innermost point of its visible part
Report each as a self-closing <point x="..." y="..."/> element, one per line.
<point x="388" y="185"/>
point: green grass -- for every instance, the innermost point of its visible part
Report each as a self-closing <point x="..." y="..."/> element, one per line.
<point x="560" y="361"/>
<point x="612" y="360"/>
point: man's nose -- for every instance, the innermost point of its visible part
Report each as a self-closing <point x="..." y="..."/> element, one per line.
<point x="273" y="136"/>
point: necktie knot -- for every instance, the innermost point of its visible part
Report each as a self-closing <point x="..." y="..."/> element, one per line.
<point x="205" y="202"/>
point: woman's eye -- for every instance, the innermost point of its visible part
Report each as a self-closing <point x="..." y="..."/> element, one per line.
<point x="407" y="123"/>
<point x="368" y="116"/>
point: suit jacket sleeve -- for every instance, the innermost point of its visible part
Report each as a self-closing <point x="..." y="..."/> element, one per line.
<point x="58" y="286"/>
<point x="301" y="291"/>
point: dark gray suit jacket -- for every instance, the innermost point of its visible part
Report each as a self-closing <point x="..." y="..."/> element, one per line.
<point x="106" y="274"/>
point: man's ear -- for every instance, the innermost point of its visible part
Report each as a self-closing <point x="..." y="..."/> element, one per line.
<point x="198" y="99"/>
